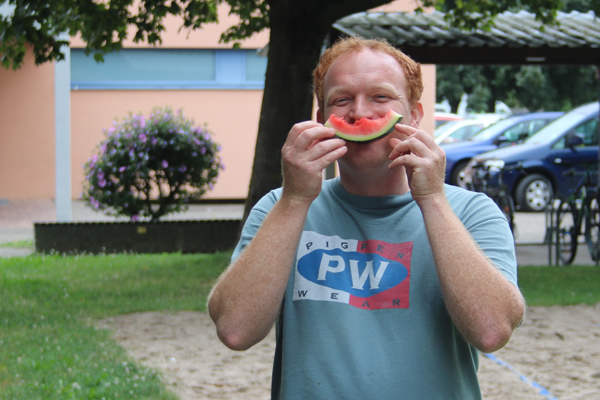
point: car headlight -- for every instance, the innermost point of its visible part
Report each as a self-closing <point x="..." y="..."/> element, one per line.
<point x="494" y="163"/>
<point x="467" y="173"/>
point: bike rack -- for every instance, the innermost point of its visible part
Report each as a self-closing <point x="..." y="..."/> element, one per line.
<point x="551" y="238"/>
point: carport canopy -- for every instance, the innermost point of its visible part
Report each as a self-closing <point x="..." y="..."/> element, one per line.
<point x="514" y="38"/>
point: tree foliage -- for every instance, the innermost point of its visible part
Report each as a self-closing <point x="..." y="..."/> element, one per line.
<point x="521" y="87"/>
<point x="103" y="25"/>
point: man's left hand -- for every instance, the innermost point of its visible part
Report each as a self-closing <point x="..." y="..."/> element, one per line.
<point x="424" y="160"/>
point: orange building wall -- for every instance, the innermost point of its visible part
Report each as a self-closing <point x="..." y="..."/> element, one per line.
<point x="207" y="37"/>
<point x="27" y="143"/>
<point x="232" y="115"/>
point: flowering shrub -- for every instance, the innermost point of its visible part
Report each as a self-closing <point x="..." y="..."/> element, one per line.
<point x="150" y="167"/>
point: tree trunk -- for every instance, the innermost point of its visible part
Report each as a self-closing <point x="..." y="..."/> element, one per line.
<point x="294" y="50"/>
<point x="298" y="29"/>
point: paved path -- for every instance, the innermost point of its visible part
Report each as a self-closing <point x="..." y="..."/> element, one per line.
<point x="18" y="215"/>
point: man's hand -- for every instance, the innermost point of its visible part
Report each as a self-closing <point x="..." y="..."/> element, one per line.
<point x="309" y="149"/>
<point x="424" y="160"/>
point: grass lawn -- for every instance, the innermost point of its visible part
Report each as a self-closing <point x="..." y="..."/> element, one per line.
<point x="18" y="243"/>
<point x="49" y="348"/>
<point x="547" y="286"/>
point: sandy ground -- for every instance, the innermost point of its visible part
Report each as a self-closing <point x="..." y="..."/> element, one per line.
<point x="555" y="354"/>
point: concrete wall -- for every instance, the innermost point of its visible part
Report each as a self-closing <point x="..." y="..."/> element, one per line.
<point x="27" y="131"/>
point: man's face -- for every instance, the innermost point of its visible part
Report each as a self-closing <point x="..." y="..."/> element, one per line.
<point x="367" y="84"/>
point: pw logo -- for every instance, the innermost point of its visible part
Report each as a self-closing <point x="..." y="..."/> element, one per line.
<point x="359" y="274"/>
<point x="365" y="274"/>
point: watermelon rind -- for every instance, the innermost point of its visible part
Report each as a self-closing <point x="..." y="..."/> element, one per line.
<point x="391" y="119"/>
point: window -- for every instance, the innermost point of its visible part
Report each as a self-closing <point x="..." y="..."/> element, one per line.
<point x="525" y="129"/>
<point x="169" y="69"/>
<point x="588" y="131"/>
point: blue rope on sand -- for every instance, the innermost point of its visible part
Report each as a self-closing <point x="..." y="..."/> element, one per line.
<point x="541" y="390"/>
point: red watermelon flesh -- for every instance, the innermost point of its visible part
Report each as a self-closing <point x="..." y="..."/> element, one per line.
<point x="364" y="129"/>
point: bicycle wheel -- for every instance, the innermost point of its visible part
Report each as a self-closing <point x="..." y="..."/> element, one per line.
<point x="592" y="226"/>
<point x="566" y="233"/>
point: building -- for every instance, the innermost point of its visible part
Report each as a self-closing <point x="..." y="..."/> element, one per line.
<point x="209" y="80"/>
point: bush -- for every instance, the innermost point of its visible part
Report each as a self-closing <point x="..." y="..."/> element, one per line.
<point x="150" y="167"/>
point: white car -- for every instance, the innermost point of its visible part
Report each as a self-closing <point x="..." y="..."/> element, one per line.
<point x="454" y="131"/>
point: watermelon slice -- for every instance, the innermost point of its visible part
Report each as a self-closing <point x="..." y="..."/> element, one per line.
<point x="364" y="130"/>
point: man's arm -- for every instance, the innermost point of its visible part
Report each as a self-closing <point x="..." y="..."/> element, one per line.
<point x="247" y="298"/>
<point x="482" y="303"/>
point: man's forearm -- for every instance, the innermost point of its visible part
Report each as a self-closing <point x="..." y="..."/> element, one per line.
<point x="246" y="300"/>
<point x="484" y="306"/>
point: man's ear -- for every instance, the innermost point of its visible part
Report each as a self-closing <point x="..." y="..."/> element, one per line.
<point x="416" y="114"/>
<point x="320" y="118"/>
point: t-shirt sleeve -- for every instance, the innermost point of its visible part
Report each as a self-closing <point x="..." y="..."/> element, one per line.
<point x="490" y="230"/>
<point x="255" y="220"/>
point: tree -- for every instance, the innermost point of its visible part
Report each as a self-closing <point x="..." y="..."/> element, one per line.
<point x="298" y="29"/>
<point x="521" y="87"/>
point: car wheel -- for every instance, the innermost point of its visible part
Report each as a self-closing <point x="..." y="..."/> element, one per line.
<point x="457" y="178"/>
<point x="534" y="193"/>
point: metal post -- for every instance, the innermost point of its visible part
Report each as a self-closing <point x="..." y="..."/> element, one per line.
<point x="62" y="124"/>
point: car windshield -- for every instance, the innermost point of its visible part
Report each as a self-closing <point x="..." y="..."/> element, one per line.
<point x="494" y="130"/>
<point x="445" y="127"/>
<point x="557" y="128"/>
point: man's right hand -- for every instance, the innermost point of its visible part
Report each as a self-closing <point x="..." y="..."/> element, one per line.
<point x="310" y="147"/>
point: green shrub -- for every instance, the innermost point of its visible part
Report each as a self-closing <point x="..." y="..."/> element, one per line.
<point x="148" y="167"/>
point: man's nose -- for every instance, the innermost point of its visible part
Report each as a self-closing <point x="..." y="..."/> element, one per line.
<point x="361" y="108"/>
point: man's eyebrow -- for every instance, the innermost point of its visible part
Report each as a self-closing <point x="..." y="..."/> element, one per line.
<point x="385" y="86"/>
<point x="335" y="92"/>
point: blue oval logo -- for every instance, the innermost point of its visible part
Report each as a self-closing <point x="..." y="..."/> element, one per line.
<point x="360" y="274"/>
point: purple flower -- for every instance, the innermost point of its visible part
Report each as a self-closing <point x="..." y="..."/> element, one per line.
<point x="122" y="169"/>
<point x="102" y="182"/>
<point x="142" y="137"/>
<point x="165" y="164"/>
<point x="182" y="168"/>
<point x="135" y="218"/>
<point x="95" y="203"/>
<point x="202" y="150"/>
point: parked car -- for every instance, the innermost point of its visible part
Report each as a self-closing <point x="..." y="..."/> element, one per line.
<point x="507" y="131"/>
<point x="533" y="172"/>
<point x="443" y="117"/>
<point x="457" y="131"/>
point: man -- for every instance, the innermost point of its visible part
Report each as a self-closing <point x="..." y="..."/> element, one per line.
<point x="385" y="282"/>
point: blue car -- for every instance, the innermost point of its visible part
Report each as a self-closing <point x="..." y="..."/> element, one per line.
<point x="533" y="172"/>
<point x="506" y="132"/>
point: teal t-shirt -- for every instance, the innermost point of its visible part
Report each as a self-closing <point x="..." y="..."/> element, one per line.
<point x="363" y="315"/>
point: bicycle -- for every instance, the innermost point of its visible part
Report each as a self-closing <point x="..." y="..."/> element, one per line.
<point x="578" y="214"/>
<point x="497" y="193"/>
